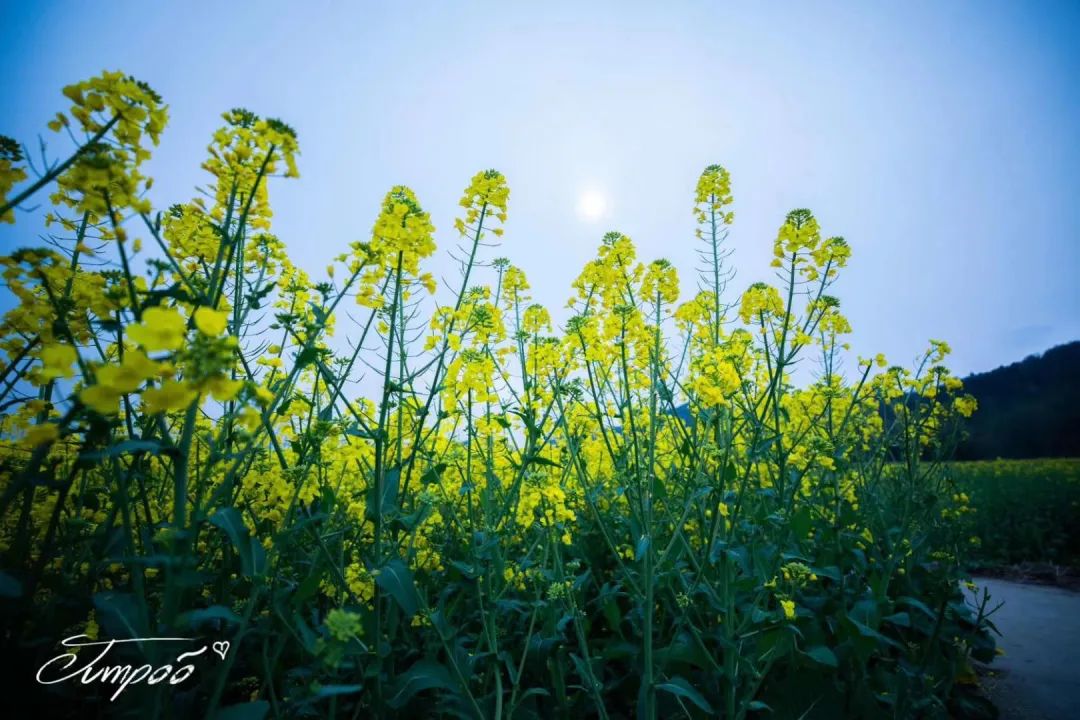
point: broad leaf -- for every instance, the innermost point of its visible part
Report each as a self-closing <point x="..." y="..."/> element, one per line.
<point x="822" y="655"/>
<point x="251" y="552"/>
<point x="678" y="685"/>
<point x="119" y="615"/>
<point x="397" y="580"/>
<point x="423" y="675"/>
<point x="9" y="586"/>
<point x="386" y="502"/>
<point x="244" y="711"/>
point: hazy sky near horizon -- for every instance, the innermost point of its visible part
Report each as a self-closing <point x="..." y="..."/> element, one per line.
<point x="939" y="138"/>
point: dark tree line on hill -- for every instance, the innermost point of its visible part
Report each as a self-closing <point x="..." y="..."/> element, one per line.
<point x="1028" y="409"/>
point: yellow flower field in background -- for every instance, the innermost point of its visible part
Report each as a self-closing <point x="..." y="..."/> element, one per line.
<point x="1026" y="510"/>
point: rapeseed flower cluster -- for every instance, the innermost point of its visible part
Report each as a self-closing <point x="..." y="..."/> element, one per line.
<point x="649" y="489"/>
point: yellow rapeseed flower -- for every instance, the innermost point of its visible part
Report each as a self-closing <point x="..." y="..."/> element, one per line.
<point x="343" y="625"/>
<point x="263" y="396"/>
<point x="160" y="329"/>
<point x="222" y="388"/>
<point x="211" y="322"/>
<point x="172" y="395"/>
<point x="102" y="399"/>
<point x="56" y="361"/>
<point x="41" y="434"/>
<point x="126" y="377"/>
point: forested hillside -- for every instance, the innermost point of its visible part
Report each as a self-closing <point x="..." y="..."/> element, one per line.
<point x="1027" y="409"/>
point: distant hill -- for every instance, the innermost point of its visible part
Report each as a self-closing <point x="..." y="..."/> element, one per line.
<point x="1028" y="409"/>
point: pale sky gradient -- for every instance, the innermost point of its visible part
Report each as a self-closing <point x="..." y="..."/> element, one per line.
<point x="940" y="138"/>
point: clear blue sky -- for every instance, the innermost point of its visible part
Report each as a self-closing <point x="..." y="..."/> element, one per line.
<point x="940" y="138"/>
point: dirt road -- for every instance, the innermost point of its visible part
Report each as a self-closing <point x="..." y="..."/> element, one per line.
<point x="1039" y="676"/>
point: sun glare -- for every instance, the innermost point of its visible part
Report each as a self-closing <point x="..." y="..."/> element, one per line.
<point x="592" y="205"/>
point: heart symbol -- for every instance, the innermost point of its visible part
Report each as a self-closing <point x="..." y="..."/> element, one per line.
<point x="221" y="647"/>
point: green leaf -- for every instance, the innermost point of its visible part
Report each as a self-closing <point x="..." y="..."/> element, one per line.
<point x="613" y="615"/>
<point x="308" y="638"/>
<point x="306" y="356"/>
<point x="128" y="447"/>
<point x="326" y="691"/>
<point x="197" y="618"/>
<point x="397" y="580"/>
<point x="318" y="312"/>
<point x="822" y="655"/>
<point x="540" y="460"/>
<point x="251" y="552"/>
<point x="741" y="556"/>
<point x="583" y="670"/>
<point x="433" y="474"/>
<point x="244" y="711"/>
<point x="918" y="605"/>
<point x="870" y="633"/>
<point x="642" y="547"/>
<point x="901" y="619"/>
<point x="258" y="558"/>
<point x="535" y="691"/>
<point x="255" y="298"/>
<point x="119" y="615"/>
<point x="355" y="430"/>
<point x="801" y="522"/>
<point x="9" y="586"/>
<point x="423" y="675"/>
<point x="229" y="520"/>
<point x="175" y="291"/>
<point x="683" y="650"/>
<point x="832" y="572"/>
<point x="678" y="685"/>
<point x="306" y="589"/>
<point x="388" y="502"/>
<point x="865" y="630"/>
<point x="465" y="569"/>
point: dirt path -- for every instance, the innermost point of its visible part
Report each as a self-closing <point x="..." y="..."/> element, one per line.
<point x="1039" y="676"/>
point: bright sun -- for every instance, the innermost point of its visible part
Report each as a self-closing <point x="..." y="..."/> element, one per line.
<point x="592" y="205"/>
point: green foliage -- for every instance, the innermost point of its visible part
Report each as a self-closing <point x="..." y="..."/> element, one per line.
<point x="1022" y="510"/>
<point x="1029" y="409"/>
